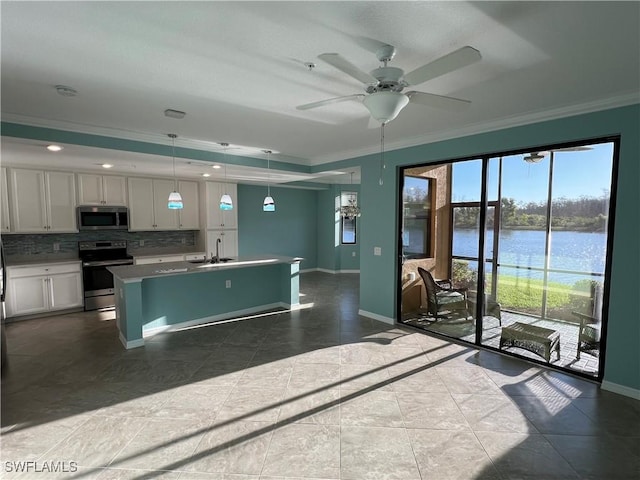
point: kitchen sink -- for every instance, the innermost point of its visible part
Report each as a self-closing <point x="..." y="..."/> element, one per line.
<point x="222" y="260"/>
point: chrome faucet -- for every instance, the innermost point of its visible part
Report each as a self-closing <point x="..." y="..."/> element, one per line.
<point x="216" y="259"/>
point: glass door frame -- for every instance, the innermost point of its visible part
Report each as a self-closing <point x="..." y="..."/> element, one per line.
<point x="615" y="140"/>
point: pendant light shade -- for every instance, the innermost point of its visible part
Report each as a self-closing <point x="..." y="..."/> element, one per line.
<point x="269" y="205"/>
<point x="226" y="203"/>
<point x="175" y="199"/>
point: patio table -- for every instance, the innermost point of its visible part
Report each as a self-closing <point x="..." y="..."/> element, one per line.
<point x="539" y="340"/>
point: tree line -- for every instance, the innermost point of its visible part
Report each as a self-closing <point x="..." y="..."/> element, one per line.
<point x="583" y="214"/>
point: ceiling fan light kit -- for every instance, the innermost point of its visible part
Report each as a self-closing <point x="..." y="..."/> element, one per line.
<point x="385" y="106"/>
<point x="534" y="157"/>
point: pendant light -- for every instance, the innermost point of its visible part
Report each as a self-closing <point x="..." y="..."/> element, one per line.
<point x="268" y="205"/>
<point x="175" y="199"/>
<point x="225" y="200"/>
<point x="352" y="210"/>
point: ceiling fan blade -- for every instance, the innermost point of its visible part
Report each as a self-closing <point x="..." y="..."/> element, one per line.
<point x="448" y="63"/>
<point x="573" y="149"/>
<point x="322" y="103"/>
<point x="438" y="101"/>
<point x="344" y="65"/>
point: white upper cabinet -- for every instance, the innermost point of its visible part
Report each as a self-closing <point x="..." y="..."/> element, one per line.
<point x="217" y="218"/>
<point x="141" y="216"/>
<point x="102" y="190"/>
<point x="5" y="223"/>
<point x="165" y="219"/>
<point x="148" y="205"/>
<point x="43" y="202"/>
<point x="189" y="216"/>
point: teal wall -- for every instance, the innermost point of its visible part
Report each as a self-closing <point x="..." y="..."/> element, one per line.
<point x="378" y="274"/>
<point x="291" y="230"/>
<point x="331" y="254"/>
<point x="303" y="227"/>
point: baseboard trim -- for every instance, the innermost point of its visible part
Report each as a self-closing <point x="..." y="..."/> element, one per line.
<point x="150" y="332"/>
<point x="621" y="389"/>
<point x="375" y="316"/>
<point x="333" y="272"/>
<point x="132" y="344"/>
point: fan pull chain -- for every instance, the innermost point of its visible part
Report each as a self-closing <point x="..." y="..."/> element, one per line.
<point x="382" y="165"/>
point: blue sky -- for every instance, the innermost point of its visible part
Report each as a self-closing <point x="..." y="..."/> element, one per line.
<point x="576" y="174"/>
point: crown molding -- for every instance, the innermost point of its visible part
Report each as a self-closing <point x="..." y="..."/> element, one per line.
<point x="486" y="127"/>
<point x="147" y="137"/>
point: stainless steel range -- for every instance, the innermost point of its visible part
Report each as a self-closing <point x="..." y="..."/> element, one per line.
<point x="96" y="279"/>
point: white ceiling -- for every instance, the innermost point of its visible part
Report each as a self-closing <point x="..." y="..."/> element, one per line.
<point x="237" y="70"/>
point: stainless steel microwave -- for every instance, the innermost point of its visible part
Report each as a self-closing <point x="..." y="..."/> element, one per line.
<point x="102" y="218"/>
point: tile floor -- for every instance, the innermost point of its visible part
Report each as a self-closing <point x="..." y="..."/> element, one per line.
<point x="319" y="393"/>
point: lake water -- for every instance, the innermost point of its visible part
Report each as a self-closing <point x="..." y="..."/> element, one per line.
<point x="575" y="251"/>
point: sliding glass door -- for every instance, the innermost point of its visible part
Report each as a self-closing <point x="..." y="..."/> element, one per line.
<point x="527" y="237"/>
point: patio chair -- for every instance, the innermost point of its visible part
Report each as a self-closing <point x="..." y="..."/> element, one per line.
<point x="588" y="335"/>
<point x="444" y="301"/>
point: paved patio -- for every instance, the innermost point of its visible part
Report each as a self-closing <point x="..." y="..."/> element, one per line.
<point x="465" y="330"/>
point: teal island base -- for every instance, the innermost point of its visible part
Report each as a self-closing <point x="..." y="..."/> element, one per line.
<point x="172" y="296"/>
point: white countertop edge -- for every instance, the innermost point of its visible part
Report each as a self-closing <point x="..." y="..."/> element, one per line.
<point x="40" y="262"/>
<point x="137" y="273"/>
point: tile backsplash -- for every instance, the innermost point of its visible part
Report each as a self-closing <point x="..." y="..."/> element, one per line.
<point x="67" y="243"/>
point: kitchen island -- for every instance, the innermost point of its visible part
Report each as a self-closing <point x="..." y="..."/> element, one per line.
<point x="171" y="296"/>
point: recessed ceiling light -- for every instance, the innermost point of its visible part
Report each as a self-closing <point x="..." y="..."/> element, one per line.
<point x="66" y="91"/>
<point x="169" y="112"/>
<point x="106" y="165"/>
<point x="54" y="148"/>
<point x="206" y="174"/>
<point x="216" y="167"/>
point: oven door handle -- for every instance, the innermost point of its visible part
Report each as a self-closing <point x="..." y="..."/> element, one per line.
<point x="107" y="263"/>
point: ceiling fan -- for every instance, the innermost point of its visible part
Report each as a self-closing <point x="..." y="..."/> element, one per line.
<point x="537" y="157"/>
<point x="384" y="97"/>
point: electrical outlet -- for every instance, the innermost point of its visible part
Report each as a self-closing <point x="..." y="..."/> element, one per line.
<point x="228" y="284"/>
<point x="353" y="254"/>
<point x="141" y="243"/>
<point x="56" y="247"/>
<point x="377" y="251"/>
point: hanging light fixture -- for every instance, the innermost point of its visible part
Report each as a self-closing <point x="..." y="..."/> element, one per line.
<point x="268" y="205"/>
<point x="351" y="210"/>
<point x="534" y="157"/>
<point x="225" y="200"/>
<point x="175" y="199"/>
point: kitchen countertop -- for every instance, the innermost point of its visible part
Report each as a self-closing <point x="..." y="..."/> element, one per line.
<point x="31" y="260"/>
<point x="158" y="252"/>
<point x="136" y="273"/>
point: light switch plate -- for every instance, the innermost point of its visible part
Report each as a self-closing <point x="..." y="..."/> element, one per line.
<point x="377" y="251"/>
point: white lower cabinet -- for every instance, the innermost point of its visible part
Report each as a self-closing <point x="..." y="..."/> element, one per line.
<point x="43" y="288"/>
